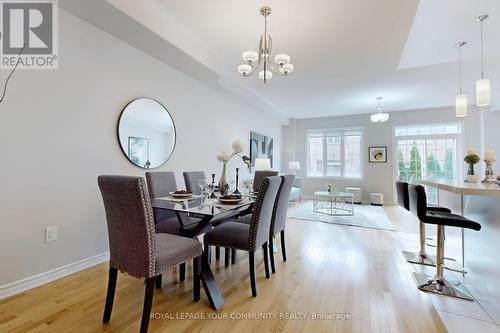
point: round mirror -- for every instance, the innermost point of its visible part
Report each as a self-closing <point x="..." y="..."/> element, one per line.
<point x="146" y="133"/>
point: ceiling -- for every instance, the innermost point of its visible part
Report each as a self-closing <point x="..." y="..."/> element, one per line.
<point x="346" y="53"/>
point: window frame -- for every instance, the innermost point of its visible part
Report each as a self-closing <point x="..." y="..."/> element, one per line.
<point x="459" y="137"/>
<point x="342" y="131"/>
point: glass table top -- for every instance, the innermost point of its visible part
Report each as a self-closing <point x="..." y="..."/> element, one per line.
<point x="333" y="194"/>
<point x="200" y="206"/>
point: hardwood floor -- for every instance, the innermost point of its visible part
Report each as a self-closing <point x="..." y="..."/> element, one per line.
<point x="331" y="269"/>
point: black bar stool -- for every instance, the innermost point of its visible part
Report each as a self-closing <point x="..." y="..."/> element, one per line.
<point x="421" y="257"/>
<point x="438" y="284"/>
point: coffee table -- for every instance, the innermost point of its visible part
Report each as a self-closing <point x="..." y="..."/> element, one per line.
<point x="333" y="203"/>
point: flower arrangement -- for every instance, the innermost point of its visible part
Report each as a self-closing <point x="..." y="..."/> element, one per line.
<point x="472" y="159"/>
<point x="237" y="145"/>
<point x="225" y="157"/>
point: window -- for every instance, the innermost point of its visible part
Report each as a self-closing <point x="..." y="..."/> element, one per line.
<point x="429" y="152"/>
<point x="334" y="153"/>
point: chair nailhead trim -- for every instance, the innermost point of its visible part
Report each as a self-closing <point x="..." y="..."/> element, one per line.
<point x="166" y="269"/>
<point x="148" y="213"/>
<point x="254" y="222"/>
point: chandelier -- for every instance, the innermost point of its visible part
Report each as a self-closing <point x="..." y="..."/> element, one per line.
<point x="380" y="116"/>
<point x="262" y="59"/>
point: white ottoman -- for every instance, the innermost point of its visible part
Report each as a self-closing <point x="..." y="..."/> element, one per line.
<point x="357" y="194"/>
<point x="376" y="199"/>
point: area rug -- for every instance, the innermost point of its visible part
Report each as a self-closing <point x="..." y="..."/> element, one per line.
<point x="365" y="216"/>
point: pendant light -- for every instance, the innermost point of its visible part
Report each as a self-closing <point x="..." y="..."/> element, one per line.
<point x="461" y="99"/>
<point x="483" y="89"/>
<point x="380" y="116"/>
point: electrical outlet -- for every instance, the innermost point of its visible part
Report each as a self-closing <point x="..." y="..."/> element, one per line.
<point x="51" y="234"/>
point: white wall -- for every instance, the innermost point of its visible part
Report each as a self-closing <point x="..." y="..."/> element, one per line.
<point x="58" y="130"/>
<point x="376" y="177"/>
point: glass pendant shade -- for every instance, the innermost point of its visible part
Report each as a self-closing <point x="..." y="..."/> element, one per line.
<point x="483" y="92"/>
<point x="250" y="56"/>
<point x="269" y="75"/>
<point x="461" y="105"/>
<point x="244" y="69"/>
<point x="379" y="117"/>
<point x="281" y="59"/>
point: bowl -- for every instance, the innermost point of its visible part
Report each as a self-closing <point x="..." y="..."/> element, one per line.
<point x="230" y="199"/>
<point x="181" y="194"/>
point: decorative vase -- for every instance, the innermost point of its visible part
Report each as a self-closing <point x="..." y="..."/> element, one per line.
<point x="471" y="177"/>
<point x="470" y="170"/>
<point x="223" y="183"/>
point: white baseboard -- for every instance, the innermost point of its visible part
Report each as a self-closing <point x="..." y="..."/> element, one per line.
<point x="16" y="287"/>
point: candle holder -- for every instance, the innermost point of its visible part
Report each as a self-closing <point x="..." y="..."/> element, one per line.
<point x="213" y="196"/>
<point x="237" y="180"/>
<point x="488" y="174"/>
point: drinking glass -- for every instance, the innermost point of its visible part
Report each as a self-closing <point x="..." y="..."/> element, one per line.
<point x="202" y="183"/>
<point x="210" y="190"/>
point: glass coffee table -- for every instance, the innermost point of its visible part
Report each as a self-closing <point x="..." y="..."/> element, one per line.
<point x="333" y="203"/>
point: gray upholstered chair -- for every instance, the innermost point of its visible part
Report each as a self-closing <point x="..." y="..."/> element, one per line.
<point x="191" y="179"/>
<point x="259" y="177"/>
<point x="278" y="219"/>
<point x="249" y="237"/>
<point x="160" y="184"/>
<point x="135" y="248"/>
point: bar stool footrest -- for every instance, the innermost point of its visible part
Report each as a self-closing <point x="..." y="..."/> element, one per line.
<point x="419" y="259"/>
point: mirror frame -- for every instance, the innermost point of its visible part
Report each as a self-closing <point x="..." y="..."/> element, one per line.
<point x="118" y="133"/>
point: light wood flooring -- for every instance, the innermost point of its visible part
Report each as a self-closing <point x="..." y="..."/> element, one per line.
<point x="331" y="269"/>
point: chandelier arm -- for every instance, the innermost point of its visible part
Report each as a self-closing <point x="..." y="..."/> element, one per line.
<point x="254" y="68"/>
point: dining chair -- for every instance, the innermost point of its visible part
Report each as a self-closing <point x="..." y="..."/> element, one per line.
<point x="191" y="179"/>
<point x="160" y="184"/>
<point x="278" y="220"/>
<point x="135" y="248"/>
<point x="259" y="176"/>
<point x="249" y="237"/>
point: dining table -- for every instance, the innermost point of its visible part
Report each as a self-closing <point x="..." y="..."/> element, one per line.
<point x="196" y="216"/>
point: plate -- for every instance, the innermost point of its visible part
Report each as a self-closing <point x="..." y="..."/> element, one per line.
<point x="181" y="195"/>
<point x="230" y="201"/>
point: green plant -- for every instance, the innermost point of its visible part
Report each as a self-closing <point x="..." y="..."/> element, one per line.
<point x="472" y="159"/>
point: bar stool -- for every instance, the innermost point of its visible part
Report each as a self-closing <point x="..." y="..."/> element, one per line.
<point x="421" y="257"/>
<point x="438" y="284"/>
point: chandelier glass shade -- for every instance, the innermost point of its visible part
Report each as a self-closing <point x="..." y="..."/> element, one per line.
<point x="380" y="116"/>
<point x="262" y="59"/>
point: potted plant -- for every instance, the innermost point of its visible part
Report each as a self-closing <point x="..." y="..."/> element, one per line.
<point x="471" y="158"/>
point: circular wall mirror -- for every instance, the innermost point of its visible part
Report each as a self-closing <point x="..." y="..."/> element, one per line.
<point x="146" y="132"/>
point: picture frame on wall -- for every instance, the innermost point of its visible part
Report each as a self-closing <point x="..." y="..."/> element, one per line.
<point x="261" y="146"/>
<point x="377" y="154"/>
